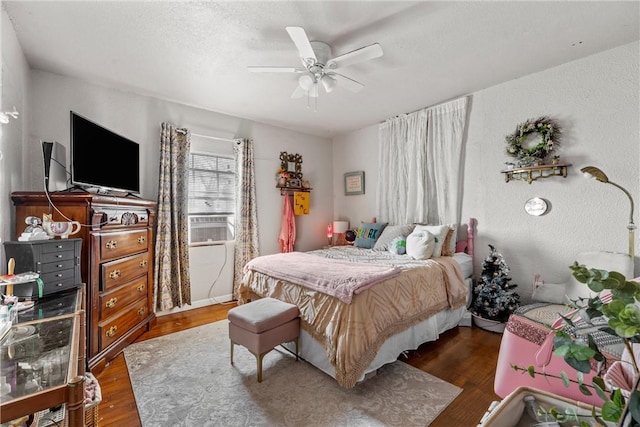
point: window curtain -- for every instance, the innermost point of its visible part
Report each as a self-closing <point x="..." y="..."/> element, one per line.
<point x="171" y="267"/>
<point x="420" y="165"/>
<point x="246" y="244"/>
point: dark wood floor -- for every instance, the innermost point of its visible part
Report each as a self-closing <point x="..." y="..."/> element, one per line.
<point x="463" y="356"/>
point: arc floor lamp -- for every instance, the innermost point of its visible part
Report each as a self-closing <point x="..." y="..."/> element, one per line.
<point x="597" y="174"/>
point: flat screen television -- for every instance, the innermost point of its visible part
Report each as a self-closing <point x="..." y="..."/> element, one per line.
<point x="102" y="159"/>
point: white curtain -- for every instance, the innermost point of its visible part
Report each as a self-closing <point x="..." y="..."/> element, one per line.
<point x="420" y="165"/>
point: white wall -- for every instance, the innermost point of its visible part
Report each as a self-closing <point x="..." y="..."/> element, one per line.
<point x="14" y="91"/>
<point x="596" y="99"/>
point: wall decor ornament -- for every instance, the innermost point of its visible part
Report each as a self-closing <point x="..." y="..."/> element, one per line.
<point x="353" y="183"/>
<point x="534" y="140"/>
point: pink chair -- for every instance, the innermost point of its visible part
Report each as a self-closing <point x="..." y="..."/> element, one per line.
<point x="528" y="340"/>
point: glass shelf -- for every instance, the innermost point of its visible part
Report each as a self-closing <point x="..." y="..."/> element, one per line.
<point x="42" y="359"/>
<point x="532" y="173"/>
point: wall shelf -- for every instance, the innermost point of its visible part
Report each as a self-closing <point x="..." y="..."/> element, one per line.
<point x="532" y="173"/>
<point x="291" y="190"/>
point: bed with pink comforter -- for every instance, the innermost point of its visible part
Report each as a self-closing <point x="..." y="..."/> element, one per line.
<point x="352" y="312"/>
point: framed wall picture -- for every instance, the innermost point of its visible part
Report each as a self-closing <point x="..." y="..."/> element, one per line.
<point x="353" y="183"/>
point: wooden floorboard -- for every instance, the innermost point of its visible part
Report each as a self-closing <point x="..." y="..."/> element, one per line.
<point x="463" y="356"/>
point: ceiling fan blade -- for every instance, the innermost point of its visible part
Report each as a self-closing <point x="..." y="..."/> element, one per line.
<point x="363" y="54"/>
<point x="267" y="69"/>
<point x="348" y="83"/>
<point x="299" y="37"/>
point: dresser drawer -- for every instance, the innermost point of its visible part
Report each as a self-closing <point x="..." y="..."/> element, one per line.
<point x="113" y="328"/>
<point x="58" y="265"/>
<point x="116" y="245"/>
<point x="61" y="245"/>
<point x="121" y="271"/>
<point x="46" y="257"/>
<point x="114" y="301"/>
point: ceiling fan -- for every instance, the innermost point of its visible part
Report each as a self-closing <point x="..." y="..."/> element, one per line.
<point x="319" y="65"/>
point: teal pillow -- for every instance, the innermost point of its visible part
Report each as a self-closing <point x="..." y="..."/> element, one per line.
<point x="368" y="233"/>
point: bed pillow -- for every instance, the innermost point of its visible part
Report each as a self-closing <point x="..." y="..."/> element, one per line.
<point x="398" y="245"/>
<point x="449" y="245"/>
<point x="420" y="244"/>
<point x="368" y="233"/>
<point x="389" y="233"/>
<point x="439" y="232"/>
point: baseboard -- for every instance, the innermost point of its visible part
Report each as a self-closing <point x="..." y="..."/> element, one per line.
<point x="197" y="304"/>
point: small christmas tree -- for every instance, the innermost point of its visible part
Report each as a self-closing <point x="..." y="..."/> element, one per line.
<point x="494" y="298"/>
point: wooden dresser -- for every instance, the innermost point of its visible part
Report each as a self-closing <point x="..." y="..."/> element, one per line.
<point x="116" y="262"/>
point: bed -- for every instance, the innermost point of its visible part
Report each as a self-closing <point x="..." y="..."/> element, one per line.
<point x="403" y="303"/>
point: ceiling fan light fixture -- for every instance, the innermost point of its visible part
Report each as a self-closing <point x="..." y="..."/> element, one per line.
<point x="306" y="82"/>
<point x="328" y="82"/>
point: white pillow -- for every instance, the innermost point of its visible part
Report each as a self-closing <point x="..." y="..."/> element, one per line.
<point x="439" y="232"/>
<point x="420" y="244"/>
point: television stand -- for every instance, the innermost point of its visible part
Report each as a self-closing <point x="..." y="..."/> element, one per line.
<point x="73" y="189"/>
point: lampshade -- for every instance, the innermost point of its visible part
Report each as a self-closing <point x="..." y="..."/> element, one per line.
<point x="340" y="227"/>
<point x="328" y="82"/>
<point x="306" y="82"/>
<point x="595" y="173"/>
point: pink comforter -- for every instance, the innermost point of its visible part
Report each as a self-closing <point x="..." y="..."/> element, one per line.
<point x="340" y="279"/>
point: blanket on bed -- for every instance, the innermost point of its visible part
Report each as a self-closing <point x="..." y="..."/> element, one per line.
<point x="341" y="279"/>
<point x="352" y="333"/>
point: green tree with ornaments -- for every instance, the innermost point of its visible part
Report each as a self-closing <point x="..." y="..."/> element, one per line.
<point x="494" y="297"/>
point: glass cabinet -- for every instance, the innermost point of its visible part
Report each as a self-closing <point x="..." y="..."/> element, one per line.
<point x="42" y="359"/>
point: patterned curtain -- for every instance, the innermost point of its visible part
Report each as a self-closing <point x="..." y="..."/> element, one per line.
<point x="246" y="244"/>
<point x="171" y="267"/>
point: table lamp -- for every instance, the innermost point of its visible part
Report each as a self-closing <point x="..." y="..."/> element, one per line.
<point x="595" y="173"/>
<point x="329" y="234"/>
<point x="339" y="228"/>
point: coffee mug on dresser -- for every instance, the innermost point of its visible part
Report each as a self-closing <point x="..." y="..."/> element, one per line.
<point x="62" y="229"/>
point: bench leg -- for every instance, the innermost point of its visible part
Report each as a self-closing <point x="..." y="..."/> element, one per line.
<point x="296" y="349"/>
<point x="231" y="352"/>
<point x="259" y="360"/>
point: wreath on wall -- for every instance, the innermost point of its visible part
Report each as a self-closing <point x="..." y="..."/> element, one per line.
<point x="547" y="129"/>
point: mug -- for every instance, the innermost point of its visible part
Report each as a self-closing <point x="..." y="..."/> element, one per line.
<point x="62" y="229"/>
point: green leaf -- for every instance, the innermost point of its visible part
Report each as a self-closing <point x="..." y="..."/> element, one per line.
<point x="584" y="390"/>
<point x="532" y="372"/>
<point x="565" y="379"/>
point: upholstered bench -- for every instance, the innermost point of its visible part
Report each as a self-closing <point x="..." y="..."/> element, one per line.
<point x="263" y="324"/>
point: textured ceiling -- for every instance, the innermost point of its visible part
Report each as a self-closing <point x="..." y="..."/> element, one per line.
<point x="197" y="53"/>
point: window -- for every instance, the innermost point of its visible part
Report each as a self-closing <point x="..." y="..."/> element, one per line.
<point x="212" y="198"/>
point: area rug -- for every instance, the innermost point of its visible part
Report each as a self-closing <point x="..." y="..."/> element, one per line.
<point x="186" y="379"/>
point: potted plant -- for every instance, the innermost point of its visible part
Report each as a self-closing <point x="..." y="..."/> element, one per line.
<point x="618" y="300"/>
<point x="494" y="297"/>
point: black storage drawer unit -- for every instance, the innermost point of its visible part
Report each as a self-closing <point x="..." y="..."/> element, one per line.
<point x="57" y="262"/>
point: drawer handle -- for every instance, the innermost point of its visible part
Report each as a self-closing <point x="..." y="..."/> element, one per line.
<point x="59" y="275"/>
<point x="111" y="244"/>
<point x="59" y="285"/>
<point x="58" y="256"/>
<point x="58" y="246"/>
<point x="112" y="302"/>
<point x="59" y="266"/>
<point x="141" y="311"/>
<point x="114" y="274"/>
<point x="141" y="239"/>
<point x="140" y="288"/>
<point x="111" y="331"/>
<point x="143" y="263"/>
